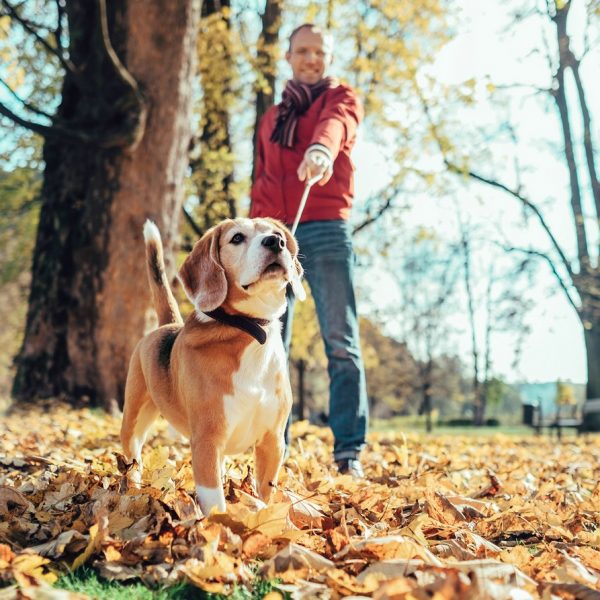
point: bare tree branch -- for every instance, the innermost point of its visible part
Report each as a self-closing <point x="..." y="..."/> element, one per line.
<point x="525" y="201"/>
<point x="58" y="131"/>
<point x="58" y="32"/>
<point x="27" y="25"/>
<point x="552" y="266"/>
<point x="520" y="86"/>
<point x="192" y="223"/>
<point x="528" y="203"/>
<point x="26" y="104"/>
<point x="42" y="130"/>
<point x="371" y="218"/>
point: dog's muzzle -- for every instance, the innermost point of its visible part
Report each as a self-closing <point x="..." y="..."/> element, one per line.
<point x="274" y="243"/>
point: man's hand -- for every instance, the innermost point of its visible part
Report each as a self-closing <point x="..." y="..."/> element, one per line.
<point x="315" y="162"/>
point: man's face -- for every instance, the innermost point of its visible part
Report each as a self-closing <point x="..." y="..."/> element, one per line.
<point x="309" y="56"/>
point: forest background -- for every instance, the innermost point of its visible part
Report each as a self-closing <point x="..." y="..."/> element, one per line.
<point x="476" y="216"/>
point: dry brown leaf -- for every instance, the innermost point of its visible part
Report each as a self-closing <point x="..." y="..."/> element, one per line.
<point x="438" y="507"/>
<point x="295" y="558"/>
<point x="346" y="585"/>
<point x="68" y="541"/>
<point x="388" y="548"/>
<point x="395" y="569"/>
<point x="12" y="502"/>
<point x="303" y="512"/>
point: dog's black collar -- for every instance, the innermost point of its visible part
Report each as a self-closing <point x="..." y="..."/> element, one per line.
<point x="250" y="325"/>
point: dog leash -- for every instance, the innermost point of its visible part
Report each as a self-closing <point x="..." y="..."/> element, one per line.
<point x="307" y="187"/>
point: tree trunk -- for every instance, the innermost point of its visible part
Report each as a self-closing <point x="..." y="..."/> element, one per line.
<point x="591" y="335"/>
<point x="89" y="299"/>
<point x="426" y="373"/>
<point x="266" y="60"/>
<point x="465" y="242"/>
<point x="212" y="171"/>
<point x="592" y="350"/>
<point x="301" y="390"/>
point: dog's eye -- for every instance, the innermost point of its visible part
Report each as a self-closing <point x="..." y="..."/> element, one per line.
<point x="238" y="238"/>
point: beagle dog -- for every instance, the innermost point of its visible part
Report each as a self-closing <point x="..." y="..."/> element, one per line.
<point x="220" y="378"/>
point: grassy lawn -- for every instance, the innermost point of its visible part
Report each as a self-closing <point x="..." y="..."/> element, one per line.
<point x="413" y="424"/>
<point x="86" y="581"/>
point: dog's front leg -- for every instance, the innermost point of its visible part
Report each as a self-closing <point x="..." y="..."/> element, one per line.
<point x="206" y="464"/>
<point x="268" y="454"/>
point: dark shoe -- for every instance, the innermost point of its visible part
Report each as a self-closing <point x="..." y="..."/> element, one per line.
<point x="350" y="466"/>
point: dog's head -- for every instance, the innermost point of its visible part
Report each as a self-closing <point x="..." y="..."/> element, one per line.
<point x="245" y="264"/>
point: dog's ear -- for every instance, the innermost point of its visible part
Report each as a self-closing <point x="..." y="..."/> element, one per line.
<point x="297" y="271"/>
<point x="202" y="274"/>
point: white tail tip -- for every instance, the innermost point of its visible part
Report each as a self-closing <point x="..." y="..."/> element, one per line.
<point x="151" y="231"/>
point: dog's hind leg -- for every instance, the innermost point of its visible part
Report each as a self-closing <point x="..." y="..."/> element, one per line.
<point x="139" y="412"/>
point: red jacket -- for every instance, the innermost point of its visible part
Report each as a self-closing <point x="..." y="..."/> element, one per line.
<point x="331" y="120"/>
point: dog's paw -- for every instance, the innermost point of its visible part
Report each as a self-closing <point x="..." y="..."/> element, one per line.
<point x="135" y="476"/>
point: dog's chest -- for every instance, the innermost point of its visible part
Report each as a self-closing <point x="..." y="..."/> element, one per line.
<point x="256" y="404"/>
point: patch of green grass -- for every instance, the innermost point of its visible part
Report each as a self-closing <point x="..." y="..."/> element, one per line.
<point x="416" y="424"/>
<point x="86" y="581"/>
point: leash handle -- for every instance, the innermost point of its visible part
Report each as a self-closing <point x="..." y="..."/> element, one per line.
<point x="303" y="200"/>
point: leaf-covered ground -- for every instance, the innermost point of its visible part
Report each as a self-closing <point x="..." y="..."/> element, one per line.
<point x="438" y="517"/>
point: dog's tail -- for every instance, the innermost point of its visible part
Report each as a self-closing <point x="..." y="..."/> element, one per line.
<point x="162" y="296"/>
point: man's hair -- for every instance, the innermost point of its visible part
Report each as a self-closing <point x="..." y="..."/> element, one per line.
<point x="327" y="37"/>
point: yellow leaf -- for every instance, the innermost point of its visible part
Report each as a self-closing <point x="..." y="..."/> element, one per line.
<point x="33" y="565"/>
<point x="98" y="533"/>
<point x="156" y="458"/>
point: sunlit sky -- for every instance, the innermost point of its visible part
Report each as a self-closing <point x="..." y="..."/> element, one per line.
<point x="487" y="46"/>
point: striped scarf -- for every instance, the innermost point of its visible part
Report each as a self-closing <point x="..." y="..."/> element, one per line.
<point x="296" y="99"/>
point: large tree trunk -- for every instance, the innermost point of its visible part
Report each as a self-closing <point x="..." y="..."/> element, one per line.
<point x="89" y="300"/>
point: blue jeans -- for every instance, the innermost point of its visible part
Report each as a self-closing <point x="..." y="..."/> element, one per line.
<point x="328" y="260"/>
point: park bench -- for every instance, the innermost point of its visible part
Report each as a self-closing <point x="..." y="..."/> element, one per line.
<point x="561" y="419"/>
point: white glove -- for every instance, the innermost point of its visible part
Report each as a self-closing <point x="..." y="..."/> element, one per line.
<point x="316" y="161"/>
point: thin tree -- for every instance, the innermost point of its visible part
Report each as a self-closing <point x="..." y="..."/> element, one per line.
<point x="267" y="52"/>
<point x="213" y="167"/>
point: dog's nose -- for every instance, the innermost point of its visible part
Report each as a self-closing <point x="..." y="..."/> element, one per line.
<point x="274" y="243"/>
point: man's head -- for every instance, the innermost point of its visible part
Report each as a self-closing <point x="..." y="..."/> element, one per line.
<point x="310" y="53"/>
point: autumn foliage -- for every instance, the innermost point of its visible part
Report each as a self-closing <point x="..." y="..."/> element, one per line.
<point x="442" y="517"/>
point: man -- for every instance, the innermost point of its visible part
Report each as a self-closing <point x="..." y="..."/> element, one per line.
<point x="310" y="134"/>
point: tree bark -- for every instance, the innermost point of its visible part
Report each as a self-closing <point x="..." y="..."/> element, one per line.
<point x="478" y="406"/>
<point x="426" y="373"/>
<point x="89" y="301"/>
<point x="590" y="321"/>
<point x="592" y="349"/>
<point x="266" y="61"/>
<point x="560" y="97"/>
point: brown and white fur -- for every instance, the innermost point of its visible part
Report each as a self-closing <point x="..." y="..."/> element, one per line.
<point x="216" y="384"/>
